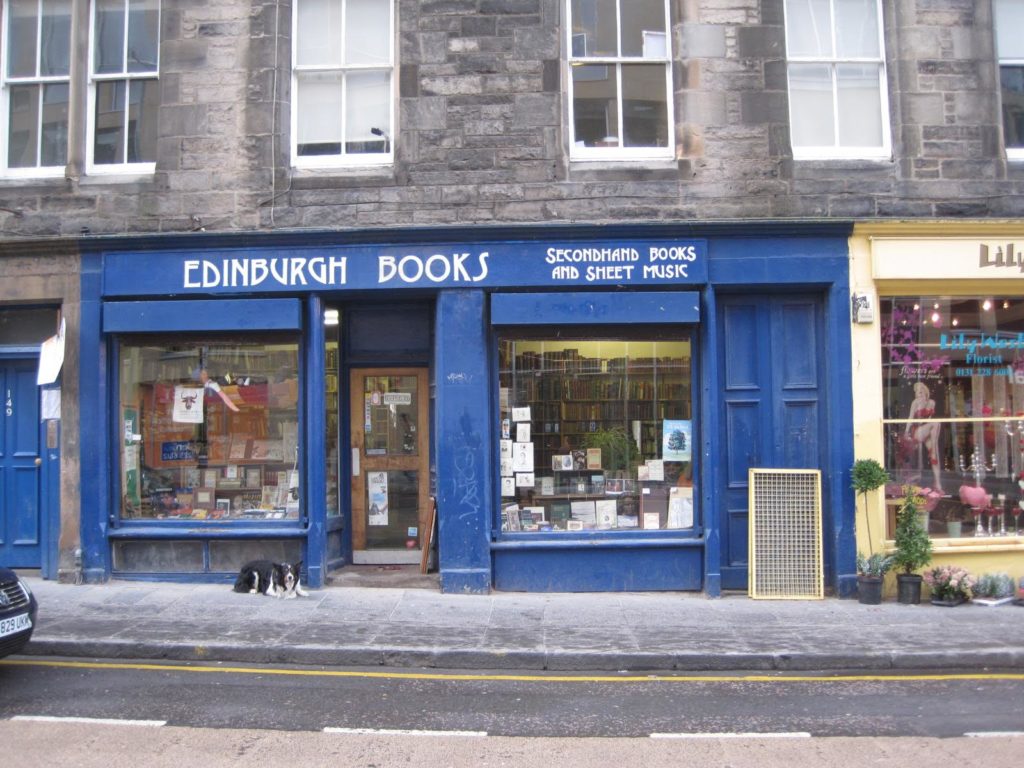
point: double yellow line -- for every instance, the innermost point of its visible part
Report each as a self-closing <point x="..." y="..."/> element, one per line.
<point x="520" y="678"/>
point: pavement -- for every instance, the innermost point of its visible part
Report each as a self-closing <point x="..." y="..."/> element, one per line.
<point x="420" y="627"/>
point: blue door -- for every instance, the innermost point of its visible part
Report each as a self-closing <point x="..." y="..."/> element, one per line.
<point x="773" y="404"/>
<point x="21" y="518"/>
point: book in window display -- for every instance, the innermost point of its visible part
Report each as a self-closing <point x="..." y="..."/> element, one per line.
<point x="510" y="518"/>
<point x="584" y="512"/>
<point x="239" y="449"/>
<point x="680" y="507"/>
<point x="559" y="514"/>
<point x="607" y="513"/>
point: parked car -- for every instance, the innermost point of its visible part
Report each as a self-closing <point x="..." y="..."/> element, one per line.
<point x="18" y="609"/>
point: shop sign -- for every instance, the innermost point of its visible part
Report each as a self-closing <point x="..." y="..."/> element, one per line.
<point x="951" y="258"/>
<point x="177" y="450"/>
<point x="490" y="265"/>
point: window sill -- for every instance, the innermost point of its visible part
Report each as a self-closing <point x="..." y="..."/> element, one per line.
<point x="341" y="176"/>
<point x="599" y="539"/>
<point x="667" y="168"/>
<point x="970" y="544"/>
<point x="12" y="178"/>
<point x="116" y="177"/>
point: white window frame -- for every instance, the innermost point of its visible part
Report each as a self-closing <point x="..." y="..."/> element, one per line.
<point x="836" y="152"/>
<point x="342" y="159"/>
<point x="37" y="171"/>
<point x="95" y="79"/>
<point x="1012" y="153"/>
<point x="619" y="152"/>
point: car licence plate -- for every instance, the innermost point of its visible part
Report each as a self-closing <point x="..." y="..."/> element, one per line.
<point x="15" y="624"/>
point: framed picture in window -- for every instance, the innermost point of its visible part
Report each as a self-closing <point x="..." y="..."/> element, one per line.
<point x="203" y="498"/>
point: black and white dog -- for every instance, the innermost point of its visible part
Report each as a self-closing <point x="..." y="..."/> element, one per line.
<point x="268" y="578"/>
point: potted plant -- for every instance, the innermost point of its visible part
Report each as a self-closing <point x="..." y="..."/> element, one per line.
<point x="950" y="584"/>
<point x="913" y="548"/>
<point x="993" y="589"/>
<point x="619" y="452"/>
<point x="868" y="475"/>
<point x="871" y="571"/>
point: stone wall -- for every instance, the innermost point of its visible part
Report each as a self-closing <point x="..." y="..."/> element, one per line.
<point x="480" y="129"/>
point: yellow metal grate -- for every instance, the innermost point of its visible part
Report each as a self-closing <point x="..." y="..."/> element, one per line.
<point x="785" y="535"/>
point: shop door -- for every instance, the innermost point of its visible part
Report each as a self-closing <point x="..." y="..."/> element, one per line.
<point x="773" y="403"/>
<point x="21" y="518"/>
<point x="390" y="464"/>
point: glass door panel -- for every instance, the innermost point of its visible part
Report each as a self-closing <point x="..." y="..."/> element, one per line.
<point x="390" y="474"/>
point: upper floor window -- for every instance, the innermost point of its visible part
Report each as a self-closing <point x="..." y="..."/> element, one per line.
<point x="1010" y="46"/>
<point x="620" y="79"/>
<point x="343" y="83"/>
<point x="838" y="104"/>
<point x="36" y="84"/>
<point x="124" y="89"/>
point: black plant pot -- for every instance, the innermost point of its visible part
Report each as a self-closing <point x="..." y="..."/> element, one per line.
<point x="869" y="590"/>
<point x="908" y="588"/>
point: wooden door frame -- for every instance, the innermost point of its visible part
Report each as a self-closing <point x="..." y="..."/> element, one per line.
<point x="358" y="443"/>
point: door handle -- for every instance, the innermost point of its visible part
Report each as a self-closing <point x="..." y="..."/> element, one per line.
<point x="355" y="462"/>
<point x="39" y="461"/>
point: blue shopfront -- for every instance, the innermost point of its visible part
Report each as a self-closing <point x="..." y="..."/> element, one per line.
<point x="538" y="409"/>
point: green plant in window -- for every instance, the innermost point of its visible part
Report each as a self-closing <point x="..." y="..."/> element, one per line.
<point x="619" y="452"/>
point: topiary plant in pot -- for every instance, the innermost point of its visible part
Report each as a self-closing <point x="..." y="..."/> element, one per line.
<point x="913" y="548"/>
<point x="868" y="475"/>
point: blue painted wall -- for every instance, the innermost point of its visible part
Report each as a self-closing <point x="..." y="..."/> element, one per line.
<point x="464" y="436"/>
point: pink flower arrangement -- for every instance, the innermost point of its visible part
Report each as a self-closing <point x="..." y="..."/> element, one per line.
<point x="950" y="582"/>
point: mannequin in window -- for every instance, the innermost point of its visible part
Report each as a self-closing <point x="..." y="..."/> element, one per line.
<point x="213" y="386"/>
<point x="924" y="431"/>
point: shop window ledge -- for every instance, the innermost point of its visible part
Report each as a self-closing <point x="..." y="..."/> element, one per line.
<point x="969" y="544"/>
<point x="598" y="542"/>
<point x="207" y="532"/>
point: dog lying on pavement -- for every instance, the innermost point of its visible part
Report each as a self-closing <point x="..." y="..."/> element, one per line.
<point x="263" y="577"/>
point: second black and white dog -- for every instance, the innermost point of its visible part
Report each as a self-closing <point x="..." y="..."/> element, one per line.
<point x="263" y="577"/>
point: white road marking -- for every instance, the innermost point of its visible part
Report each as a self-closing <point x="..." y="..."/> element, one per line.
<point x="993" y="734"/>
<point x="402" y="732"/>
<point x="783" y="735"/>
<point x="90" y="720"/>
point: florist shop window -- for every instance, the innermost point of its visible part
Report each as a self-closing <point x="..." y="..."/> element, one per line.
<point x="953" y="389"/>
<point x="595" y="434"/>
<point x="209" y="429"/>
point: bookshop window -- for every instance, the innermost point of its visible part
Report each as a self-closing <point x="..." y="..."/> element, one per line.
<point x="953" y="388"/>
<point x="596" y="434"/>
<point x="209" y="429"/>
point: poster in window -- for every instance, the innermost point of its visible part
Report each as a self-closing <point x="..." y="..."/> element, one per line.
<point x="508" y="486"/>
<point x="680" y="507"/>
<point x="188" y="405"/>
<point x="677" y="440"/>
<point x="377" y="493"/>
<point x="522" y="457"/>
<point x="521" y="414"/>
